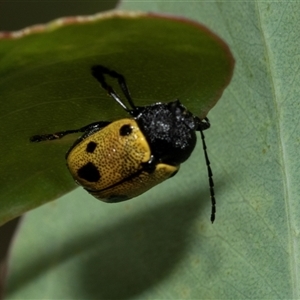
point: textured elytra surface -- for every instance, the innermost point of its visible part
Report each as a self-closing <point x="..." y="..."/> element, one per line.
<point x="138" y="185"/>
<point x="115" y="156"/>
<point x="111" y="155"/>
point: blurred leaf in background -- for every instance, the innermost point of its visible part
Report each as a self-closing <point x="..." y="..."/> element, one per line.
<point x="15" y="15"/>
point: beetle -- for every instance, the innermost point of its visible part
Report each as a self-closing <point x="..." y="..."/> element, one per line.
<point x="119" y="160"/>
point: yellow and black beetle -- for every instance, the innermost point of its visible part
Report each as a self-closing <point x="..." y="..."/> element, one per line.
<point x="116" y="161"/>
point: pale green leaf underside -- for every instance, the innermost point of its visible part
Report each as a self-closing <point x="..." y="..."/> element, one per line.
<point x="162" y="245"/>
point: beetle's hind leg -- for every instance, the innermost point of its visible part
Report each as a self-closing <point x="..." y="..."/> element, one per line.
<point x="61" y="134"/>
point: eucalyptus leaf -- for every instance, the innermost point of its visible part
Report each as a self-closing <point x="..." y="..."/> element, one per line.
<point x="162" y="245"/>
<point x="254" y="245"/>
<point x="46" y="86"/>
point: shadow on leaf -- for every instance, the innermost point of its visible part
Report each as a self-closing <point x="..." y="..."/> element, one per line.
<point x="123" y="260"/>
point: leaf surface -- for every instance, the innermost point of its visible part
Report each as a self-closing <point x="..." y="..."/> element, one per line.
<point x="46" y="86"/>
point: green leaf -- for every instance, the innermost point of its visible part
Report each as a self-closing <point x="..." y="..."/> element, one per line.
<point x="46" y="86"/>
<point x="162" y="245"/>
<point x="252" y="250"/>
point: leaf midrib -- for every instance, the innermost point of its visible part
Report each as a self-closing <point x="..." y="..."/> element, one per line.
<point x="283" y="158"/>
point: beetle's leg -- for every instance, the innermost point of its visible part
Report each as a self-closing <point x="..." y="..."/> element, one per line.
<point x="61" y="134"/>
<point x="98" y="72"/>
<point x="210" y="174"/>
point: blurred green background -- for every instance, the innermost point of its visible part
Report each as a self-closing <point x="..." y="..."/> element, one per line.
<point x="15" y="15"/>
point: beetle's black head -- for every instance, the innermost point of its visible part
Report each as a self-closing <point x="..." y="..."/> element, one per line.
<point x="169" y="129"/>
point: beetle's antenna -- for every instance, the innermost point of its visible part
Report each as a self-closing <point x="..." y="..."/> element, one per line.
<point x="98" y="72"/>
<point x="209" y="171"/>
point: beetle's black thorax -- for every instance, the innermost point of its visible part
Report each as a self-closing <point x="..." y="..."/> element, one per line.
<point x="169" y="129"/>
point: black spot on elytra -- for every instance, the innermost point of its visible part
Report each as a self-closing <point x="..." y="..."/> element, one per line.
<point x="125" y="130"/>
<point x="91" y="146"/>
<point x="89" y="172"/>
